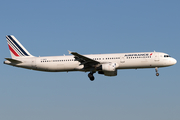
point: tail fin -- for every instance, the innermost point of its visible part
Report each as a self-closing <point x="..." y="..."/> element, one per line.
<point x="16" y="48"/>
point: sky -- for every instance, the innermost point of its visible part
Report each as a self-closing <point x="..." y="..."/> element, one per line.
<point x="50" y="28"/>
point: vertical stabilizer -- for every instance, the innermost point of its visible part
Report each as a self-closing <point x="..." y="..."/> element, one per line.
<point x="16" y="48"/>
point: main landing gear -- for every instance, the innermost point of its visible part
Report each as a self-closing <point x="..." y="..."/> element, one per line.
<point x="91" y="77"/>
<point x="156" y="69"/>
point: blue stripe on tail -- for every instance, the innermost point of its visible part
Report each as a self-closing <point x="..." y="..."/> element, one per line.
<point x="12" y="45"/>
<point x="17" y="45"/>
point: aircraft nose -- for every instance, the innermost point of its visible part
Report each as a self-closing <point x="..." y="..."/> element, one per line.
<point x="174" y="61"/>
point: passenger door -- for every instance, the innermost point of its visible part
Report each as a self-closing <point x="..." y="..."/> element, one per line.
<point x="34" y="63"/>
<point x="156" y="57"/>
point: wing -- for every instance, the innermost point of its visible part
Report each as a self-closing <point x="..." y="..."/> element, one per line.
<point x="87" y="62"/>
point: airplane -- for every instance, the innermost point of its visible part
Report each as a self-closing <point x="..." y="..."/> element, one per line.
<point x="106" y="64"/>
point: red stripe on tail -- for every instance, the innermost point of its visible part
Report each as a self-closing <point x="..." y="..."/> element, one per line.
<point x="14" y="52"/>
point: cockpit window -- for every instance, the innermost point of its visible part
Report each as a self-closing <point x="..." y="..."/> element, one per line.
<point x="167" y="56"/>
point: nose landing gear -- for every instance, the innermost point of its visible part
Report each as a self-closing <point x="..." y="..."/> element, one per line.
<point x="156" y="69"/>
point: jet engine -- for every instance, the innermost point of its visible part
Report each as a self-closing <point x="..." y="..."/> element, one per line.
<point x="108" y="69"/>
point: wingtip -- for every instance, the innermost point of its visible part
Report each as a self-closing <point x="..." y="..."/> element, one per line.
<point x="69" y="52"/>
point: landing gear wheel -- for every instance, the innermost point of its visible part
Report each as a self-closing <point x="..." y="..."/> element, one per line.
<point x="157" y="74"/>
<point x="91" y="77"/>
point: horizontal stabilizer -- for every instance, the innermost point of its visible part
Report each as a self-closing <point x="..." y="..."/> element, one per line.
<point x="13" y="60"/>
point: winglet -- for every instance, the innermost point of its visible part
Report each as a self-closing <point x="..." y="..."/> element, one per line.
<point x="69" y="52"/>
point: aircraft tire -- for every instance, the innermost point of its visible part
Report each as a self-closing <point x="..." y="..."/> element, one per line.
<point x="157" y="74"/>
<point x="91" y="77"/>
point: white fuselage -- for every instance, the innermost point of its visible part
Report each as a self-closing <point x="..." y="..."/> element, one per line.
<point x="122" y="61"/>
<point x="106" y="64"/>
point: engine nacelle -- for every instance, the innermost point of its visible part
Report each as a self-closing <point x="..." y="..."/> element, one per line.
<point x="109" y="69"/>
<point x="110" y="73"/>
